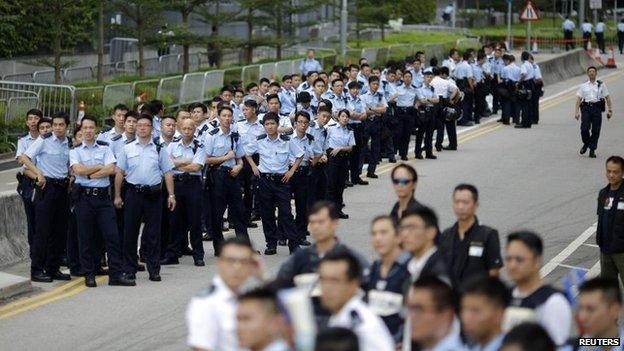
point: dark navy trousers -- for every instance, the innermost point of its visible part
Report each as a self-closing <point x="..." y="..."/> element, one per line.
<point x="52" y="213"/>
<point x="591" y="121"/>
<point x="273" y="193"/>
<point x="186" y="219"/>
<point x="146" y="207"/>
<point x="226" y="193"/>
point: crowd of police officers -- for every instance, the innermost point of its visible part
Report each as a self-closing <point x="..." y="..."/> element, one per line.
<point x="154" y="186"/>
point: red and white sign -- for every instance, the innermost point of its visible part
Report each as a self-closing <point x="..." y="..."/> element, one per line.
<point x="529" y="13"/>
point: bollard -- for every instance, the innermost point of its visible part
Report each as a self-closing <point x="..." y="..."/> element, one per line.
<point x="597" y="56"/>
<point x="611" y="59"/>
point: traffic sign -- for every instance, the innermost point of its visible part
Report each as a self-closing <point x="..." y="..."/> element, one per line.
<point x="595" y="4"/>
<point x="529" y="13"/>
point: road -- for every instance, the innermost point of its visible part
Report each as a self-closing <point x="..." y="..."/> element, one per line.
<point x="531" y="179"/>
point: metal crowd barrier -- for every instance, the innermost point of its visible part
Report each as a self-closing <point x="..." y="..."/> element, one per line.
<point x="51" y="97"/>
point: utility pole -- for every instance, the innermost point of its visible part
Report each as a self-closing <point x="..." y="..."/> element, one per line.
<point x="454" y="14"/>
<point x="343" y="30"/>
<point x="581" y="12"/>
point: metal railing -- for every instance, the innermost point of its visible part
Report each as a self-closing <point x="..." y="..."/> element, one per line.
<point x="169" y="91"/>
<point x="51" y="97"/>
<point x="117" y="93"/>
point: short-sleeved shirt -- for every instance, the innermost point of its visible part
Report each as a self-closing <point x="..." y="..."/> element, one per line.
<point x="586" y="27"/>
<point x="389" y="89"/>
<point x="98" y="154"/>
<point x="478" y="72"/>
<point x="463" y="70"/>
<point x="156" y="126"/>
<point x="526" y="71"/>
<point x="211" y="318"/>
<point x="309" y="147"/>
<point x="375" y="99"/>
<point x="194" y="152"/>
<point x="339" y="101"/>
<point x="288" y="100"/>
<point x="510" y="73"/>
<point x="537" y="71"/>
<point x="451" y="64"/>
<point x="590" y="92"/>
<point x="284" y="121"/>
<point x="23" y="143"/>
<point x="620" y="27"/>
<point x="274" y="154"/>
<point x="339" y="136"/>
<point x="568" y="25"/>
<point x="308" y="65"/>
<point x="249" y="131"/>
<point x="218" y="143"/>
<point x="144" y="164"/>
<point x="320" y="135"/>
<point x="600" y="27"/>
<point x="51" y="154"/>
<point x="406" y="95"/>
<point x="355" y="104"/>
<point x="443" y="87"/>
<point x="363" y="81"/>
<point x="426" y="91"/>
<point x="108" y="135"/>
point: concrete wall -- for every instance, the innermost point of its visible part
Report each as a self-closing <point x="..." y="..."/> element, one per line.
<point x="13" y="239"/>
<point x="565" y="66"/>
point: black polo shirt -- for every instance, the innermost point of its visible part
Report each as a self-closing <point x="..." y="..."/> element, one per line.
<point x="475" y="255"/>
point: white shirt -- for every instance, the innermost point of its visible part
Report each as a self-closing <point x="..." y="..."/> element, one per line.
<point x="416" y="265"/>
<point x="211" y="318"/>
<point x="568" y="25"/>
<point x="370" y="329"/>
<point x="450" y="63"/>
<point x="620" y="27"/>
<point x="586" y="27"/>
<point x="589" y="92"/>
<point x="600" y="27"/>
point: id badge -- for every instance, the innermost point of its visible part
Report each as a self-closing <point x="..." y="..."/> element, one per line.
<point x="475" y="251"/>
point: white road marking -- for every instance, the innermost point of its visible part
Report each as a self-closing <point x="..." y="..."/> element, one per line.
<point x="573" y="267"/>
<point x="557" y="260"/>
<point x="591" y="245"/>
<point x="594" y="271"/>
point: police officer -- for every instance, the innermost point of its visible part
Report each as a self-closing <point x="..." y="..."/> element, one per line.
<point x="465" y="83"/>
<point x="590" y="101"/>
<point x="304" y="104"/>
<point x="376" y="106"/>
<point x="620" y="34"/>
<point x="599" y="31"/>
<point x="481" y="74"/>
<point x="471" y="249"/>
<point x="310" y="64"/>
<point x="188" y="156"/>
<point x="287" y="96"/>
<point x="525" y="101"/>
<point x="336" y="96"/>
<point x="118" y="116"/>
<point x="568" y="33"/>
<point x="92" y="163"/>
<point x="317" y="180"/>
<point x="586" y="28"/>
<point x="340" y="278"/>
<point x="300" y="180"/>
<point x="389" y="278"/>
<point x="451" y="61"/>
<point x="274" y="175"/>
<point x="143" y="162"/>
<point x="198" y="113"/>
<point x="249" y="130"/>
<point x="510" y="76"/>
<point x="25" y="183"/>
<point x="51" y="154"/>
<point x="357" y="118"/>
<point x="406" y="101"/>
<point x="340" y="143"/>
<point x="496" y="65"/>
<point x="427" y="101"/>
<point x="273" y="106"/>
<point x="445" y="88"/>
<point x="224" y="151"/>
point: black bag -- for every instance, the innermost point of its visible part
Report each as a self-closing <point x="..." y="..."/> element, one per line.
<point x="602" y="102"/>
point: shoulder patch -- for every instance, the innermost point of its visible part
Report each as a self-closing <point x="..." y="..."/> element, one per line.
<point x="203" y="129"/>
<point x="310" y="136"/>
<point x="47" y="135"/>
<point x="214" y="123"/>
<point x="198" y="143"/>
<point x="261" y="136"/>
<point x="356" y="320"/>
<point x="101" y="142"/>
<point x="129" y="141"/>
<point x="116" y="137"/>
<point x="176" y="139"/>
<point x="284" y="137"/>
<point x="77" y="146"/>
<point x="214" y="131"/>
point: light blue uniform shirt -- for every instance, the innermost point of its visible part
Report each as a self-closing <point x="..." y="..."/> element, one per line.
<point x="511" y="72"/>
<point x="363" y="83"/>
<point x="156" y="121"/>
<point x="388" y="88"/>
<point x="339" y="102"/>
<point x="97" y="154"/>
<point x="586" y="27"/>
<point x="406" y="95"/>
<point x="537" y="70"/>
<point x="117" y="143"/>
<point x="477" y="73"/>
<point x="568" y="25"/>
<point x="309" y="147"/>
<point x="50" y="154"/>
<point x="308" y="65"/>
<point x="375" y="99"/>
<point x="418" y="79"/>
<point x="108" y="135"/>
<point x="493" y="345"/>
<point x="527" y="71"/>
<point x="426" y="91"/>
<point x="355" y="104"/>
<point x="193" y="152"/>
<point x="143" y="164"/>
<point x="274" y="154"/>
<point x="463" y="70"/>
<point x="320" y="135"/>
<point x="218" y="143"/>
<point x="288" y="100"/>
<point x="339" y="136"/>
<point x="249" y="131"/>
<point x="496" y="66"/>
<point x="600" y="27"/>
<point x="23" y="143"/>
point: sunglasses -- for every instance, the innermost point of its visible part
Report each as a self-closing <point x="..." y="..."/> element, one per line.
<point x="401" y="181"/>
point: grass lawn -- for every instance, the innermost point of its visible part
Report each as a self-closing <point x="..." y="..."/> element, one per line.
<point x="416" y="38"/>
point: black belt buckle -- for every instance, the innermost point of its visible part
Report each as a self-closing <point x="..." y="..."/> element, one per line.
<point x="275" y="177"/>
<point x="183" y="177"/>
<point x="97" y="192"/>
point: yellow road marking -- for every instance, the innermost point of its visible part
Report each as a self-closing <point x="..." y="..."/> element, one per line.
<point x="35" y="298"/>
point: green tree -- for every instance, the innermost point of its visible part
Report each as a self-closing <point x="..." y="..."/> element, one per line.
<point x="421" y="11"/>
<point x="144" y="16"/>
<point x="17" y="28"/>
<point x="182" y="33"/>
<point x="377" y="12"/>
<point x="252" y="16"/>
<point x="216" y="13"/>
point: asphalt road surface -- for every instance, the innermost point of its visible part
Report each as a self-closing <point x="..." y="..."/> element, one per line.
<point x="531" y="179"/>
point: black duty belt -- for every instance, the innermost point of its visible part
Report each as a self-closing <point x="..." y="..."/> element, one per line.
<point x="225" y="169"/>
<point x="407" y="109"/>
<point x="185" y="177"/>
<point x="147" y="189"/>
<point x="340" y="154"/>
<point x="303" y="169"/>
<point x="275" y="177"/>
<point x="57" y="181"/>
<point x="95" y="191"/>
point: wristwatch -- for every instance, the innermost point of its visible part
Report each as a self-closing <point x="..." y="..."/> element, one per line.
<point x="172" y="195"/>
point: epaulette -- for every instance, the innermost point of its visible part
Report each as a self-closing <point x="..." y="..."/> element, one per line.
<point x="235" y="136"/>
<point x="116" y="137"/>
<point x="203" y="129"/>
<point x="101" y="142"/>
<point x="23" y="135"/>
<point x="176" y="139"/>
<point x="208" y="291"/>
<point x="214" y="123"/>
<point x="310" y="136"/>
<point x="312" y="124"/>
<point x="106" y="128"/>
<point x="129" y="141"/>
<point x="214" y="131"/>
<point x="46" y="135"/>
<point x="198" y="143"/>
<point x="76" y="146"/>
<point x="261" y="136"/>
<point x="284" y="137"/>
<point x="356" y="320"/>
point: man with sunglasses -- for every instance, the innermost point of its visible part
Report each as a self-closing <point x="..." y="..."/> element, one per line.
<point x="532" y="298"/>
<point x="470" y="248"/>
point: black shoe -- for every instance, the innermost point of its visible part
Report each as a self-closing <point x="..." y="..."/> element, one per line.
<point x="252" y="225"/>
<point x="500" y="120"/>
<point x="155" y="277"/>
<point x="520" y="126"/>
<point x="372" y="175"/>
<point x="254" y="217"/>
<point x="270" y="251"/>
<point x="282" y="243"/>
<point x="293" y="249"/>
<point x="348" y="184"/>
<point x="305" y="243"/>
<point x="230" y="225"/>
<point x="187" y="251"/>
<point x="592" y="153"/>
<point x="438" y="148"/>
<point x="419" y="156"/>
<point x="431" y="156"/>
<point x="121" y="281"/>
<point x="225" y="228"/>
<point x="392" y="160"/>
<point x="343" y="215"/>
<point x="477" y="122"/>
<point x="199" y="263"/>
<point x="90" y="281"/>
<point x="41" y="278"/>
<point x="141" y="259"/>
<point x="506" y="123"/>
<point x="403" y="158"/>
<point x="58" y="275"/>
<point x="102" y="271"/>
<point x="359" y="181"/>
<point x="451" y="148"/>
<point x="169" y="261"/>
<point x="206" y="237"/>
<point x="130" y="276"/>
<point x="141" y="268"/>
<point x="583" y="150"/>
